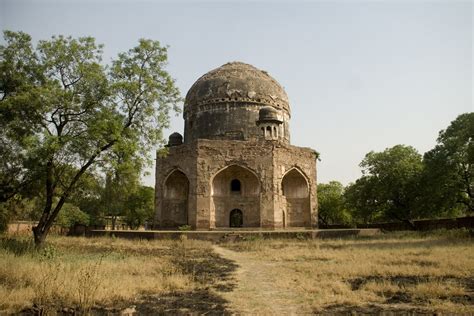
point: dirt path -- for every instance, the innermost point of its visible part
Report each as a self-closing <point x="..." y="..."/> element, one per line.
<point x="256" y="291"/>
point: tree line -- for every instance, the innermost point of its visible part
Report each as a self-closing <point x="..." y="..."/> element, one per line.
<point x="400" y="184"/>
<point x="117" y="197"/>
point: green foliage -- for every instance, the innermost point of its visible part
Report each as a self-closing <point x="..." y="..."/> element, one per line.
<point x="301" y="236"/>
<point x="88" y="197"/>
<point x="63" y="113"/>
<point x="184" y="228"/>
<point x="398" y="185"/>
<point x="120" y="185"/>
<point x="449" y="169"/>
<point x="389" y="187"/>
<point x="18" y="208"/>
<point x="331" y="207"/>
<point x="48" y="253"/>
<point x="19" y="73"/>
<point x="139" y="207"/>
<point x="361" y="200"/>
<point x="71" y="215"/>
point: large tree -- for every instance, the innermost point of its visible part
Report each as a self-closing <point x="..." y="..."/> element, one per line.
<point x="66" y="110"/>
<point x="389" y="187"/>
<point x="449" y="168"/>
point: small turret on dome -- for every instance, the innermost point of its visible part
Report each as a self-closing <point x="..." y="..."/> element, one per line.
<point x="175" y="139"/>
<point x="268" y="114"/>
<point x="270" y="123"/>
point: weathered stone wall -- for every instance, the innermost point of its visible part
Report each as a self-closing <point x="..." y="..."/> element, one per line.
<point x="291" y="161"/>
<point x="298" y="212"/>
<point x="248" y="182"/>
<point x="246" y="199"/>
<point x="295" y="188"/>
<point x="224" y="160"/>
<point x="229" y="121"/>
<point x="175" y="200"/>
<point x="174" y="203"/>
<point x="260" y="166"/>
<point x="248" y="205"/>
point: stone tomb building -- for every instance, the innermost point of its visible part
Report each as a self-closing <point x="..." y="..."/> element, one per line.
<point x="236" y="166"/>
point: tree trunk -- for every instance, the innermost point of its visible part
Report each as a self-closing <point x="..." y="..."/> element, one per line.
<point x="47" y="218"/>
<point x="39" y="236"/>
<point x="39" y="231"/>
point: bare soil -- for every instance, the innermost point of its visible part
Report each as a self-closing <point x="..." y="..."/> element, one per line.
<point x="255" y="288"/>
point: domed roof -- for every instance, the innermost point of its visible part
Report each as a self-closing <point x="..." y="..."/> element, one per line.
<point x="236" y="82"/>
<point x="268" y="113"/>
<point x="175" y="139"/>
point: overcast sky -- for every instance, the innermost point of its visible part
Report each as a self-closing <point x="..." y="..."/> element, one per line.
<point x="360" y="75"/>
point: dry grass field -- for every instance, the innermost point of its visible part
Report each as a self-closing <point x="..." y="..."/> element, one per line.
<point x="108" y="275"/>
<point x="397" y="272"/>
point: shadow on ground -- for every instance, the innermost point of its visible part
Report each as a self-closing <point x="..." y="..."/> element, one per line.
<point x="406" y="281"/>
<point x="390" y="244"/>
<point x="344" y="309"/>
<point x="207" y="268"/>
<point x="212" y="272"/>
<point x="17" y="246"/>
<point x="183" y="303"/>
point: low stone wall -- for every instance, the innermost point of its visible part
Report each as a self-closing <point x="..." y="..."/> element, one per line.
<point x="20" y="227"/>
<point x="235" y="235"/>
<point x="26" y="228"/>
<point x="450" y="223"/>
<point x="419" y="225"/>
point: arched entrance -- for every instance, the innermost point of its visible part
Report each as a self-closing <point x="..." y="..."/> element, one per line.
<point x="236" y="218"/>
<point x="175" y="200"/>
<point x="296" y="191"/>
<point x="235" y="188"/>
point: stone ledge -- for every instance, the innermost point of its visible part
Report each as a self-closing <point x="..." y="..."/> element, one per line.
<point x="235" y="235"/>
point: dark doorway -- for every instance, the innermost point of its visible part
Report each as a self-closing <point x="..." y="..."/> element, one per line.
<point x="236" y="218"/>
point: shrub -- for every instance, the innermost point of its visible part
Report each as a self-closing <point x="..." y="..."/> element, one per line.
<point x="184" y="227"/>
<point x="71" y="215"/>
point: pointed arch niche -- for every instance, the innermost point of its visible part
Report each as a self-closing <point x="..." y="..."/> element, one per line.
<point x="235" y="187"/>
<point x="175" y="200"/>
<point x="296" y="192"/>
